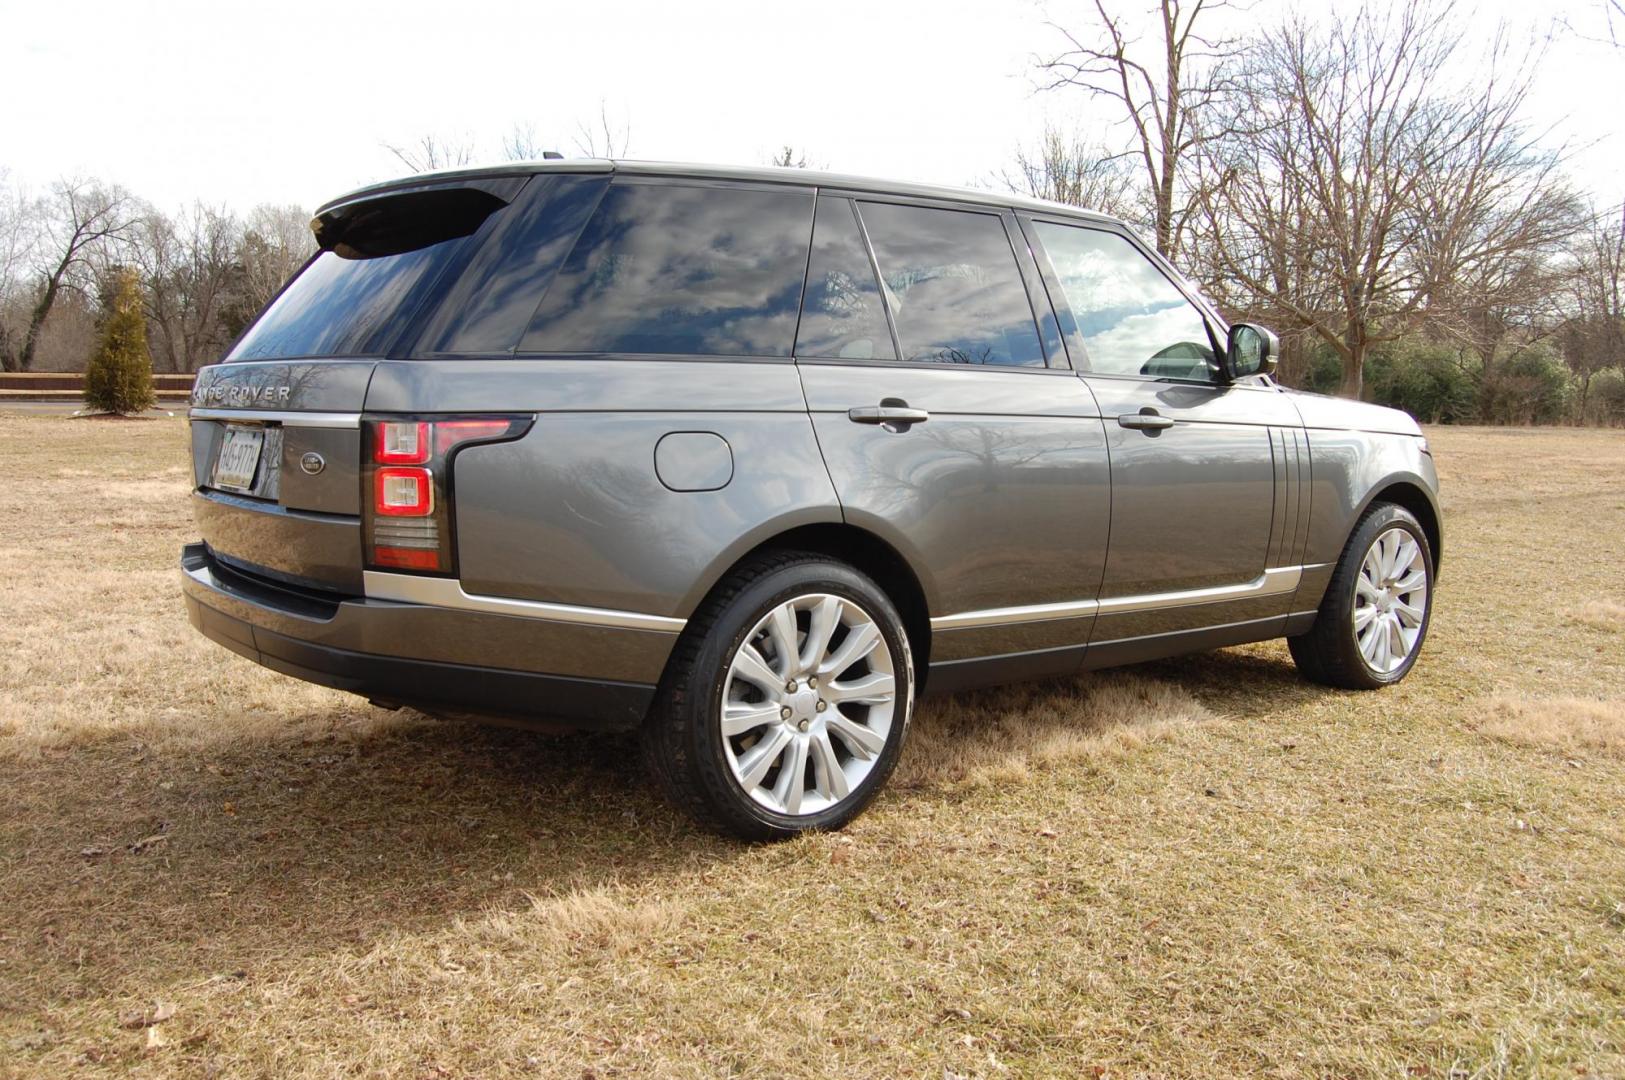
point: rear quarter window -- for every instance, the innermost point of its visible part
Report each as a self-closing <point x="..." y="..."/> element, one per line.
<point x="673" y="268"/>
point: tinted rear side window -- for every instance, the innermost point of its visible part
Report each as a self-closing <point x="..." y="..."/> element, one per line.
<point x="957" y="295"/>
<point x="841" y="315"/>
<point x="668" y="268"/>
<point x="492" y="302"/>
<point x="354" y="298"/>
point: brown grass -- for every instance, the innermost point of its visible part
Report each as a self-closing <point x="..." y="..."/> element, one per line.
<point x="999" y="736"/>
<point x="1201" y="868"/>
<point x="1572" y="725"/>
<point x="1602" y="614"/>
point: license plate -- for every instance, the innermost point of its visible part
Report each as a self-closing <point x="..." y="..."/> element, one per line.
<point x="239" y="458"/>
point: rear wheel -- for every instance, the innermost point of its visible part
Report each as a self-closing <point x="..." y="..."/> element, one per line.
<point x="786" y="704"/>
<point x="1375" y="615"/>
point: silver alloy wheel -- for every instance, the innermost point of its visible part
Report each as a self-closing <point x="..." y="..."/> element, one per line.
<point x="812" y="684"/>
<point x="1390" y="600"/>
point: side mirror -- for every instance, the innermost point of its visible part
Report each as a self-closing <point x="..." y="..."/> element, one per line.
<point x="1250" y="350"/>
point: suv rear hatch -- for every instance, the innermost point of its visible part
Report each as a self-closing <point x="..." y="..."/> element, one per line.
<point x="276" y="457"/>
<point x="276" y="429"/>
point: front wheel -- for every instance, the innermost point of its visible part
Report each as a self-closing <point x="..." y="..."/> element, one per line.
<point x="785" y="706"/>
<point x="1375" y="615"/>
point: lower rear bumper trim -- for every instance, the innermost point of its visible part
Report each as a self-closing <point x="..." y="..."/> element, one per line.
<point x="376" y="649"/>
<point x="585" y="703"/>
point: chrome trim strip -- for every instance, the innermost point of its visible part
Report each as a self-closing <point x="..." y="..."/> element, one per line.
<point x="1272" y="582"/>
<point x="287" y="418"/>
<point x="448" y="593"/>
<point x="1004" y="616"/>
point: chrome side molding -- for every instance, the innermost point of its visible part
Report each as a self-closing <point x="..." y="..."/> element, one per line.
<point x="1276" y="581"/>
<point x="287" y="418"/>
<point x="448" y="593"/>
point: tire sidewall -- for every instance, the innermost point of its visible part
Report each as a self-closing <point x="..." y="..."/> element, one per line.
<point x="1375" y="524"/>
<point x="710" y="678"/>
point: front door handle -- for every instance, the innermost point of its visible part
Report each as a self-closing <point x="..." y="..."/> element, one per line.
<point x="887" y="414"/>
<point x="1145" y="420"/>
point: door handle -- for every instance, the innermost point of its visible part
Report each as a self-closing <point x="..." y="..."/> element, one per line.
<point x="1145" y="420"/>
<point x="887" y="414"/>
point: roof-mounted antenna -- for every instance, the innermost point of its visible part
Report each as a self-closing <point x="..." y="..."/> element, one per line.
<point x="552" y="155"/>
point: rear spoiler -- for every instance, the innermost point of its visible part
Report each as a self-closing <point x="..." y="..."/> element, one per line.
<point x="411" y="216"/>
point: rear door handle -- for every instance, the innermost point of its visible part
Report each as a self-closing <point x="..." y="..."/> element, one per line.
<point x="1145" y="421"/>
<point x="887" y="414"/>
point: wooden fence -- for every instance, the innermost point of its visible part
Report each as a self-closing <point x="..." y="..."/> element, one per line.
<point x="70" y="386"/>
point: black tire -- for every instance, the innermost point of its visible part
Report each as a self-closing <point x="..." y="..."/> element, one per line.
<point x="682" y="739"/>
<point x="1329" y="652"/>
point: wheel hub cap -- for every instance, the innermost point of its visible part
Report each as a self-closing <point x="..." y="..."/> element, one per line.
<point x="1390" y="601"/>
<point x="807" y="704"/>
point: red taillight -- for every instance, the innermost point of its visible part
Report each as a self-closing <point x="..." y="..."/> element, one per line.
<point x="400" y="443"/>
<point x="407" y="558"/>
<point x="407" y="521"/>
<point x="448" y="433"/>
<point x="401" y="492"/>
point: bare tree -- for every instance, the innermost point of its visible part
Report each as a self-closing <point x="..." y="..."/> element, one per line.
<point x="1370" y="196"/>
<point x="276" y="242"/>
<point x="521" y="144"/>
<point x="1162" y="91"/>
<point x="607" y="140"/>
<point x="18" y="237"/>
<point x="189" y="265"/>
<point x="1593" y="337"/>
<point x="789" y="158"/>
<point x="1613" y="13"/>
<point x="80" y="218"/>
<point x="1066" y="170"/>
<point x="434" y="152"/>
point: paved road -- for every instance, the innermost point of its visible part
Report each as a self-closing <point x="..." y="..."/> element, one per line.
<point x="68" y="408"/>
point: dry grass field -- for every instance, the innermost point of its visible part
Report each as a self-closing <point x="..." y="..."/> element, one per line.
<point x="1198" y="868"/>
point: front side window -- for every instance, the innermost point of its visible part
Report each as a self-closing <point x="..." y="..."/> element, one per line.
<point x="1133" y="320"/>
<point x="954" y="287"/>
<point x="667" y="268"/>
<point x="841" y="314"/>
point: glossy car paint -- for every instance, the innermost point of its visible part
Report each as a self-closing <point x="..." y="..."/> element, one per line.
<point x="581" y="487"/>
<point x="1001" y="499"/>
<point x="1044" y="536"/>
<point x="1193" y="505"/>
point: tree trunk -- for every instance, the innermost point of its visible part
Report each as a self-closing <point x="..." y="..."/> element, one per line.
<point x="1165" y="215"/>
<point x="1293" y="369"/>
<point x="1353" y="372"/>
<point x="36" y="321"/>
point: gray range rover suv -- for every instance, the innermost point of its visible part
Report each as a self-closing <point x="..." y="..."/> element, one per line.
<point x="747" y="459"/>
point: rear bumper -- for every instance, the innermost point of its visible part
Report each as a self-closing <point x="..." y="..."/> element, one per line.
<point x="596" y="678"/>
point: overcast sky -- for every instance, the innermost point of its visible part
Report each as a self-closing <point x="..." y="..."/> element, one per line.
<point x="293" y="101"/>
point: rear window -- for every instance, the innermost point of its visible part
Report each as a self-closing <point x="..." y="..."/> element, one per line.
<point x="672" y="268"/>
<point x="379" y="263"/>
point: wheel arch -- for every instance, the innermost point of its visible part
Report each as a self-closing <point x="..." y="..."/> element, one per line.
<point x="857" y="547"/>
<point x="1411" y="494"/>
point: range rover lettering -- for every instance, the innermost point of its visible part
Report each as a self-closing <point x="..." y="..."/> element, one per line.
<point x="746" y="460"/>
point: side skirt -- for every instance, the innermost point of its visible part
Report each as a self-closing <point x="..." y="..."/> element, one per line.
<point x="956" y="675"/>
